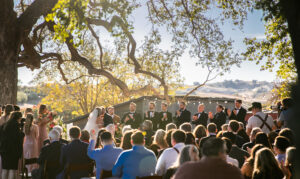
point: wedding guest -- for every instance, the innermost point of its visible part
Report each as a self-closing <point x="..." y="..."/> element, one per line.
<point x="165" y="117"/>
<point x="266" y="166"/>
<point x="234" y="127"/>
<point x="228" y="149"/>
<point x="111" y="111"/>
<point x="199" y="133"/>
<point x="242" y="132"/>
<point x="132" y="118"/>
<point x="85" y="136"/>
<point x="168" y="137"/>
<point x="201" y="117"/>
<point x="286" y="112"/>
<point x="169" y="156"/>
<point x="106" y="157"/>
<point x="74" y="153"/>
<point x="111" y="128"/>
<point x="8" y="109"/>
<point x="159" y="139"/>
<point x="253" y="133"/>
<point x="28" y="110"/>
<point x="152" y="115"/>
<point x="126" y="140"/>
<point x="11" y="145"/>
<point x="219" y="118"/>
<point x="98" y="140"/>
<point x="125" y="129"/>
<point x="211" y="133"/>
<point x="137" y="162"/>
<point x="147" y="128"/>
<point x="272" y="136"/>
<point x="238" y="113"/>
<point x="59" y="129"/>
<point x="224" y="127"/>
<point x="170" y="126"/>
<point x="280" y="146"/>
<point x="186" y="127"/>
<point x="262" y="138"/>
<point x="212" y="165"/>
<point x="188" y="153"/>
<point x="50" y="154"/>
<point x="290" y="161"/>
<point x="288" y="133"/>
<point x="190" y="139"/>
<point x="259" y="119"/>
<point x="31" y="141"/>
<point x="17" y="108"/>
<point x="182" y="115"/>
<point x="44" y="118"/>
<point x="247" y="168"/>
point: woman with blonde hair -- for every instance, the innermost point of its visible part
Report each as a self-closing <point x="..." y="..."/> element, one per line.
<point x="160" y="141"/>
<point x="31" y="140"/>
<point x="266" y="165"/>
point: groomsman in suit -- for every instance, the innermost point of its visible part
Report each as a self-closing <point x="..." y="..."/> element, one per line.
<point x="201" y="117"/>
<point x="165" y="117"/>
<point x="152" y="115"/>
<point x="238" y="113"/>
<point x="111" y="111"/>
<point x="182" y="115"/>
<point x="132" y="118"/>
<point x="219" y="118"/>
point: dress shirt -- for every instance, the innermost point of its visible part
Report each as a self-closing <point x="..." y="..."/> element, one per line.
<point x="232" y="161"/>
<point x="256" y="122"/>
<point x="137" y="161"/>
<point x="105" y="158"/>
<point x="168" y="159"/>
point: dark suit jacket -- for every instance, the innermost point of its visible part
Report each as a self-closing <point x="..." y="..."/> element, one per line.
<point x="204" y="139"/>
<point x="154" y="119"/>
<point x="185" y="116"/>
<point x="240" y="141"/>
<point x="107" y="120"/>
<point x="51" y="153"/>
<point x="240" y="116"/>
<point x="201" y="120"/>
<point x="135" y="122"/>
<point x="62" y="141"/>
<point x="219" y="119"/>
<point x="162" y="123"/>
<point x="75" y="153"/>
<point x="238" y="154"/>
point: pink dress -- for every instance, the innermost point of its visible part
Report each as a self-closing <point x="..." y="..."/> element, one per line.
<point x="43" y="134"/>
<point x="31" y="146"/>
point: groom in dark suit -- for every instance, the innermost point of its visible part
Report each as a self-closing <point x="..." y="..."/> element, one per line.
<point x="238" y="113"/>
<point x="201" y="117"/>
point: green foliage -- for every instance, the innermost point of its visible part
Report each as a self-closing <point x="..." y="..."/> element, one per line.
<point x="21" y="97"/>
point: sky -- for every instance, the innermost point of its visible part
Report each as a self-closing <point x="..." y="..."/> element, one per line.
<point x="253" y="27"/>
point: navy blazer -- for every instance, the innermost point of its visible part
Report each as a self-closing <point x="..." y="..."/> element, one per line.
<point x="75" y="153"/>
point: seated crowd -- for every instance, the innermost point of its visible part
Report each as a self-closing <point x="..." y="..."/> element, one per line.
<point x="204" y="145"/>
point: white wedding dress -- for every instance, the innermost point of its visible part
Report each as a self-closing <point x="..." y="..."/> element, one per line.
<point x="91" y="123"/>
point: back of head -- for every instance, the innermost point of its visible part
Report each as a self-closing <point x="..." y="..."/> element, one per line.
<point x="281" y="143"/>
<point x="188" y="153"/>
<point x="8" y="109"/>
<point x="14" y="117"/>
<point x="54" y="135"/>
<point x="199" y="131"/>
<point x="111" y="128"/>
<point x="159" y="138"/>
<point x="147" y="125"/>
<point x="171" y="126"/>
<point x="231" y="136"/>
<point x="178" y="136"/>
<point x="288" y="133"/>
<point x="254" y="150"/>
<point x="213" y="147"/>
<point x="126" y="128"/>
<point x="186" y="127"/>
<point x="262" y="138"/>
<point x="169" y="136"/>
<point x="85" y="136"/>
<point x="28" y="110"/>
<point x="291" y="156"/>
<point x="266" y="163"/>
<point x="106" y="137"/>
<point x="212" y="128"/>
<point x="17" y="108"/>
<point x="125" y="143"/>
<point x="228" y="144"/>
<point x="75" y="132"/>
<point x="137" y="138"/>
<point x="58" y="128"/>
<point x="254" y="131"/>
<point x="234" y="125"/>
<point x="190" y="138"/>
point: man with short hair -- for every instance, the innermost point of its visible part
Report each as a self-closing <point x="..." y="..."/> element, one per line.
<point x="106" y="157"/>
<point x="75" y="153"/>
<point x="212" y="165"/>
<point x="201" y="117"/>
<point x="219" y="118"/>
<point x="132" y="118"/>
<point x="111" y="111"/>
<point x="164" y="117"/>
<point x="211" y="133"/>
<point x="182" y="115"/>
<point x="169" y="156"/>
<point x="152" y="115"/>
<point x="253" y="133"/>
<point x="286" y="113"/>
<point x="170" y="126"/>
<point x="234" y="127"/>
<point x="137" y="162"/>
<point x="186" y="127"/>
<point x="259" y="119"/>
<point x="238" y="113"/>
<point x="280" y="145"/>
<point x="59" y="129"/>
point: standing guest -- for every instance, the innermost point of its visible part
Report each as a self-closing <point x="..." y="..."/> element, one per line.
<point x="238" y="113"/>
<point x="50" y="154"/>
<point x="111" y="111"/>
<point x="219" y="118"/>
<point x="262" y="138"/>
<point x="74" y="153"/>
<point x="280" y="146"/>
<point x="17" y="108"/>
<point x="211" y="133"/>
<point x="259" y="119"/>
<point x="228" y="149"/>
<point x="290" y="161"/>
<point x="106" y="157"/>
<point x="188" y="153"/>
<point x="28" y="110"/>
<point x="44" y="118"/>
<point x="182" y="115"/>
<point x="169" y="156"/>
<point x="147" y="128"/>
<point x="165" y="117"/>
<point x="236" y="152"/>
<point x="286" y="113"/>
<point x="11" y="145"/>
<point x="201" y="117"/>
<point x="107" y="119"/>
<point x="152" y="115"/>
<point x="159" y="139"/>
<point x="126" y="141"/>
<point x="8" y="109"/>
<point x="31" y="141"/>
<point x="137" y="162"/>
<point x="85" y="136"/>
<point x="186" y="127"/>
<point x="132" y="118"/>
<point x="266" y="166"/>
<point x="199" y="133"/>
<point x="212" y="165"/>
<point x="253" y="133"/>
<point x="247" y="168"/>
<point x="170" y="126"/>
<point x="59" y="129"/>
<point x="234" y="127"/>
<point x="288" y="133"/>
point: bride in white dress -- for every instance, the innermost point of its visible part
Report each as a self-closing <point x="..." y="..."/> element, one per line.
<point x="95" y="120"/>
